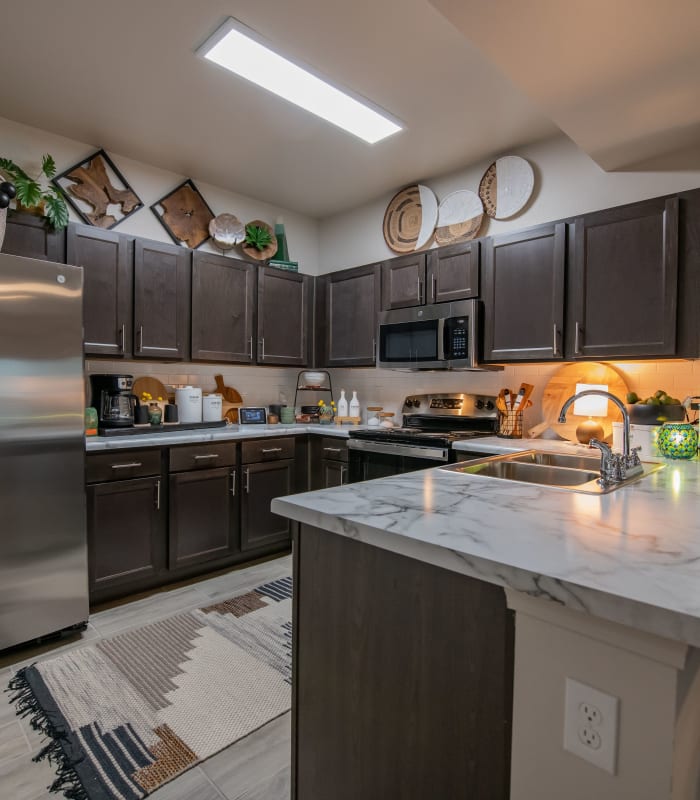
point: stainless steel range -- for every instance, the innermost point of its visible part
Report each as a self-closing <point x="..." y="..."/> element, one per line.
<point x="431" y="424"/>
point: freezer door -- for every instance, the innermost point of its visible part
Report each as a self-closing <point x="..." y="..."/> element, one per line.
<point x="43" y="540"/>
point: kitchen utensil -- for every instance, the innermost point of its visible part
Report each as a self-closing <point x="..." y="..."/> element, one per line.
<point x="151" y="386"/>
<point x="211" y="408"/>
<point x="229" y="394"/>
<point x="114" y="400"/>
<point x="189" y="403"/>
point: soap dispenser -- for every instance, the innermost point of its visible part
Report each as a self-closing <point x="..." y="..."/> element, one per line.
<point x="342" y="404"/>
<point x="354" y="405"/>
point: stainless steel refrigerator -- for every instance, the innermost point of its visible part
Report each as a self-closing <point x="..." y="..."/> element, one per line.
<point x="43" y="539"/>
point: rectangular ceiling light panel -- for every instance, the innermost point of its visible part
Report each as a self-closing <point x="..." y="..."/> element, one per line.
<point x="240" y="50"/>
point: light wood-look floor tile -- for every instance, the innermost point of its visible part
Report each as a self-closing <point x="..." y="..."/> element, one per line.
<point x="13" y="742"/>
<point x="256" y="767"/>
<point x="20" y="779"/>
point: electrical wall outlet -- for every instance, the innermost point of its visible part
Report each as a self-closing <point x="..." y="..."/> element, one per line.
<point x="590" y="725"/>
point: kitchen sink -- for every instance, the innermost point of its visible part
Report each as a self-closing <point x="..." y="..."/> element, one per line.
<point x="556" y="470"/>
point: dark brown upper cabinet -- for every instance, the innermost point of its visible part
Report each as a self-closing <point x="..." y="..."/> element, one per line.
<point x="284" y="317"/>
<point x="523" y="289"/>
<point x="161" y="300"/>
<point x="108" y="285"/>
<point x="624" y="282"/>
<point x="350" y="304"/>
<point x="223" y="308"/>
<point x="453" y="272"/>
<point x="32" y="237"/>
<point x="403" y="281"/>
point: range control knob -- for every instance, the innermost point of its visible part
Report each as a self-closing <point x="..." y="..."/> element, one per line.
<point x="489" y="405"/>
<point x="479" y="404"/>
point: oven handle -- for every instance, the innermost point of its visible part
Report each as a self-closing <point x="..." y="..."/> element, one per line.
<point x="397" y="449"/>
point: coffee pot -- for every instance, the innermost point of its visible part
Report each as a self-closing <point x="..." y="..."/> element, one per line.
<point x="114" y="400"/>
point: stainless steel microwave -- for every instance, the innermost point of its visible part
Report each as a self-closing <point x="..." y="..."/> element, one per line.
<point x="442" y="336"/>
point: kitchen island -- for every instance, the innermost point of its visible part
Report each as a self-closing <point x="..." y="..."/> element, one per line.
<point x="604" y="590"/>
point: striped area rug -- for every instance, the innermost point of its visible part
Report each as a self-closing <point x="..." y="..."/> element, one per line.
<point x="130" y="713"/>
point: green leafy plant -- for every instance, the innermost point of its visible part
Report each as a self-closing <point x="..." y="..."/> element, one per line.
<point x="257" y="237"/>
<point x="30" y="191"/>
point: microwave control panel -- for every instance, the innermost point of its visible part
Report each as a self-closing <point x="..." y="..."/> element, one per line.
<point x="457" y="338"/>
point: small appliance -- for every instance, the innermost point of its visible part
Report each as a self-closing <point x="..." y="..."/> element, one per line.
<point x="441" y="336"/>
<point x="113" y="397"/>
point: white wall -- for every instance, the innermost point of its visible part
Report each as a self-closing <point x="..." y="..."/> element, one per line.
<point x="26" y="145"/>
<point x="567" y="182"/>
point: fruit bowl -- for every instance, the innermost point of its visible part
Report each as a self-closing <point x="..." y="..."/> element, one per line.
<point x="647" y="414"/>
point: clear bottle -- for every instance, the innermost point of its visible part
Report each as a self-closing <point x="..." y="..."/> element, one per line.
<point x="342" y="404"/>
<point x="354" y="405"/>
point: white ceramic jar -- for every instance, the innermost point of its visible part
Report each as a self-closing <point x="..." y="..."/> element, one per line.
<point x="188" y="400"/>
<point x="212" y="408"/>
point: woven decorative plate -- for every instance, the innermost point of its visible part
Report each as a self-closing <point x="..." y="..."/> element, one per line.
<point x="227" y="231"/>
<point x="506" y="187"/>
<point x="459" y="217"/>
<point x="409" y="219"/>
<point x="269" y="251"/>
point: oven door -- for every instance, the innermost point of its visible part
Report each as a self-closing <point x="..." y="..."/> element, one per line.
<point x="368" y="460"/>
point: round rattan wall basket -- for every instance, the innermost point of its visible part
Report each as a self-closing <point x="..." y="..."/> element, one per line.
<point x="410" y="219"/>
<point x="506" y="187"/>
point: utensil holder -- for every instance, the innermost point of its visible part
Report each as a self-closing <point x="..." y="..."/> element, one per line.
<point x="510" y="425"/>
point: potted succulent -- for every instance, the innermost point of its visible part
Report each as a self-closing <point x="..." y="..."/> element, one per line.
<point x="260" y="242"/>
<point x="34" y="194"/>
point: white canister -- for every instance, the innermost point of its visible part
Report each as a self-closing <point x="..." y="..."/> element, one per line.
<point x="643" y="436"/>
<point x="188" y="400"/>
<point x="212" y="408"/>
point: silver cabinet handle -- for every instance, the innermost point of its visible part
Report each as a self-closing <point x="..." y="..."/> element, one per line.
<point x="233" y="483"/>
<point x="158" y="495"/>
<point x="577" y="340"/>
<point x="555" y="341"/>
<point x="261" y="343"/>
<point x="122" y="339"/>
<point x="130" y="465"/>
<point x="342" y="475"/>
<point x="208" y="455"/>
<point x="331" y="449"/>
<point x="271" y="450"/>
<point x="251" y="347"/>
<point x="420" y="292"/>
<point x="140" y="339"/>
<point x="246" y="472"/>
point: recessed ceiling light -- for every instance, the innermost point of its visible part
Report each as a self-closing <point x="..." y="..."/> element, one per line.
<point x="239" y="49"/>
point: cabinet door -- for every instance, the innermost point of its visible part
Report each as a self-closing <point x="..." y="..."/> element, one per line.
<point x="523" y="288"/>
<point x="403" y="281"/>
<point x="32" y="237"/>
<point x="625" y="281"/>
<point x="261" y="484"/>
<point x="161" y="300"/>
<point x="284" y="317"/>
<point x="126" y="533"/>
<point x="334" y="473"/>
<point x="203" y="516"/>
<point x="352" y="300"/>
<point x="223" y="296"/>
<point x="107" y="261"/>
<point x="453" y="272"/>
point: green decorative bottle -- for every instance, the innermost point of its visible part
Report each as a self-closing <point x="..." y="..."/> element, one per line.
<point x="282" y="253"/>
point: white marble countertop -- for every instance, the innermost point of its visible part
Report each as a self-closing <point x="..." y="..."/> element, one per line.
<point x="631" y="556"/>
<point x="230" y="432"/>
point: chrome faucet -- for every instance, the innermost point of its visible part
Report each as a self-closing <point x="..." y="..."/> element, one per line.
<point x="614" y="467"/>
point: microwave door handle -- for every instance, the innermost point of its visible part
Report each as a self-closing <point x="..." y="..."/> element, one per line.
<point x="441" y="339"/>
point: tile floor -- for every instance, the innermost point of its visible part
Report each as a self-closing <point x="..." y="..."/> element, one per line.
<point x="254" y="768"/>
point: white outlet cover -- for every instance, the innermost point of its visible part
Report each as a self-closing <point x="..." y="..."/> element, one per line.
<point x="580" y="701"/>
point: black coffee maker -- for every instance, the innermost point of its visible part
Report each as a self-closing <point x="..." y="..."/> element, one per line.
<point x="114" y="400"/>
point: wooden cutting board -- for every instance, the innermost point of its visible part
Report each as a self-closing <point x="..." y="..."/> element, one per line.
<point x="563" y="384"/>
<point x="151" y="385"/>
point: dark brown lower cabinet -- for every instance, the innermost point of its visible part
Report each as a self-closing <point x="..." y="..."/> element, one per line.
<point x="126" y="534"/>
<point x="333" y="473"/>
<point x="403" y="676"/>
<point x="261" y="483"/>
<point x="203" y="516"/>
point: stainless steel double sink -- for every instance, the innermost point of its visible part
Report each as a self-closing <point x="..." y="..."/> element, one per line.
<point x="571" y="472"/>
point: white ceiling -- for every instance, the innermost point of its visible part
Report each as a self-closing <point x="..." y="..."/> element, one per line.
<point x="621" y="78"/>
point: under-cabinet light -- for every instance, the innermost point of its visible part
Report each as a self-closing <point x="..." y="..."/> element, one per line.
<point x="239" y="49"/>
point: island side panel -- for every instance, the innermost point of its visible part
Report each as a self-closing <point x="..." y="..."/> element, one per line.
<point x="403" y="676"/>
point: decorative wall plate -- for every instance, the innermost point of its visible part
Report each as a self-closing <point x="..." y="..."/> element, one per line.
<point x="269" y="251"/>
<point x="459" y="217"/>
<point x="185" y="215"/>
<point x="506" y="186"/>
<point x="227" y="231"/>
<point x="409" y="219"/>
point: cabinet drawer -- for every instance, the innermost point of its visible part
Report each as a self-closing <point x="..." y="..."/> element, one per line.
<point x="334" y="448"/>
<point x="122" y="465"/>
<point x="267" y="450"/>
<point x="202" y="456"/>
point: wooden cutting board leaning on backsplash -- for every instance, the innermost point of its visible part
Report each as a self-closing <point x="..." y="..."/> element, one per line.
<point x="562" y="385"/>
